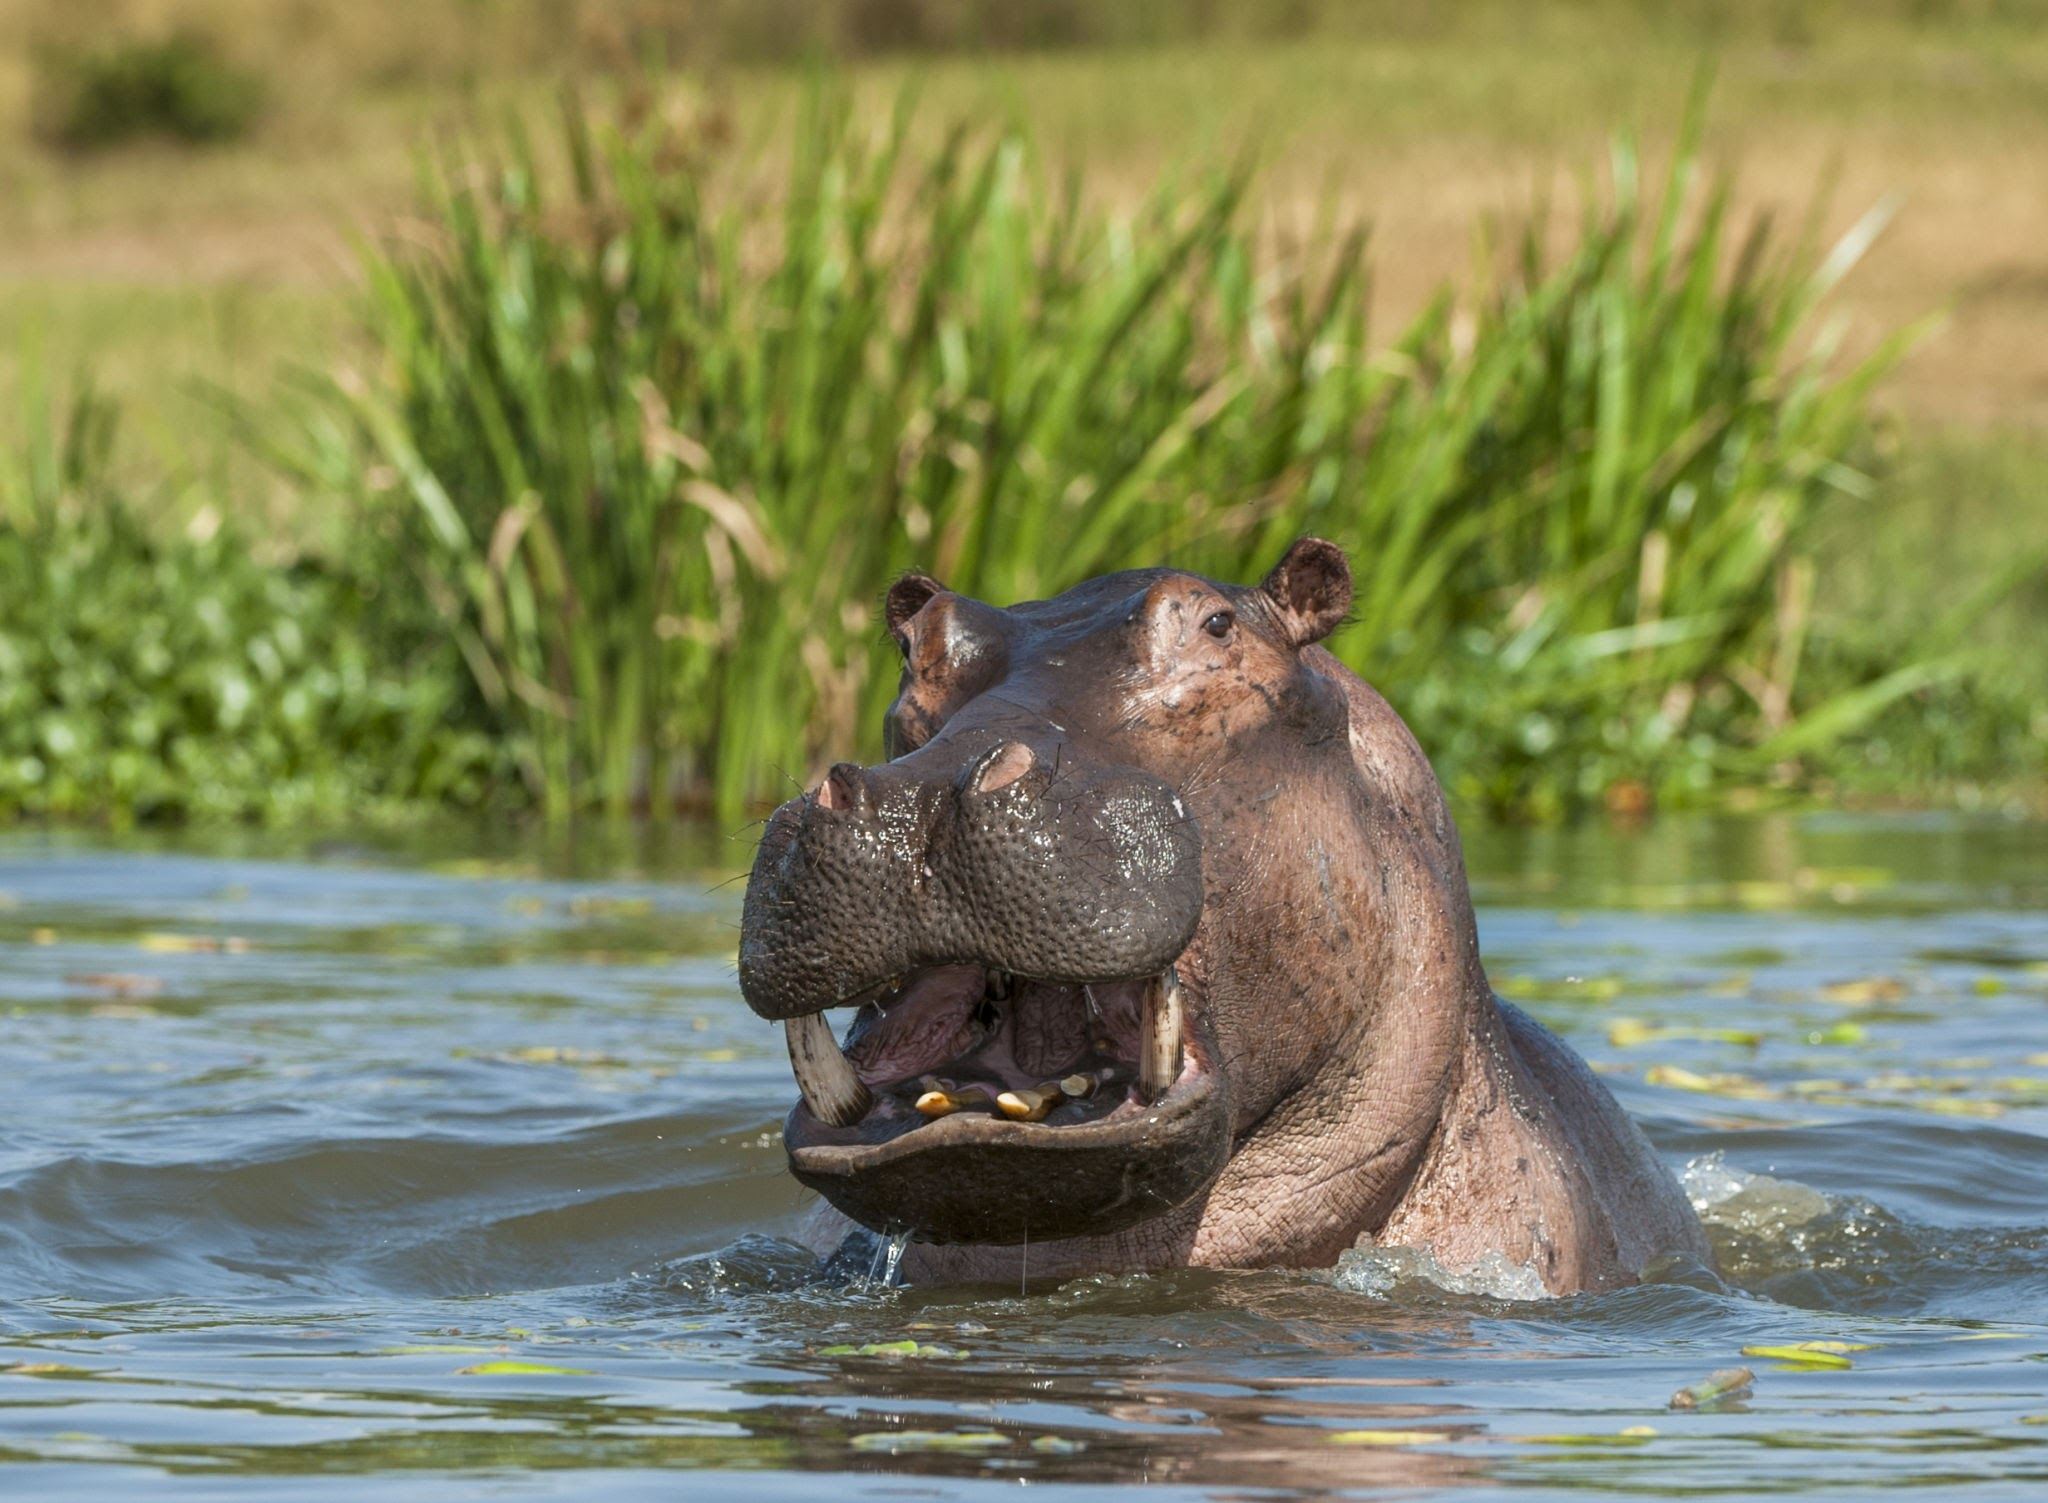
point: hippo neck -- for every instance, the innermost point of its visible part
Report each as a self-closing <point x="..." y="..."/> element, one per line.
<point x="1335" y="1159"/>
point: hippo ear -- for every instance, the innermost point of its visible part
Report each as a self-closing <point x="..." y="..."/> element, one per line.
<point x="1310" y="590"/>
<point x="907" y="597"/>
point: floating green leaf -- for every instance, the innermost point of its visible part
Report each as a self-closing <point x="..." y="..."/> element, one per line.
<point x="1722" y="1083"/>
<point x="1839" y="1033"/>
<point x="1867" y="992"/>
<point x="1627" y="1033"/>
<point x="1634" y="1435"/>
<point x="1386" y="1437"/>
<point x="896" y="1442"/>
<point x="1801" y="1354"/>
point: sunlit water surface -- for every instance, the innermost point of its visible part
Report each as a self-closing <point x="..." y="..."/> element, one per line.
<point x="458" y="1169"/>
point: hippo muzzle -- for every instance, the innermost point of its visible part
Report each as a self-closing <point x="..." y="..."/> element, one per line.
<point x="1026" y="1062"/>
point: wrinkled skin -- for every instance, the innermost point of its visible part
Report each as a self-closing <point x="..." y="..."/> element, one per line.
<point x="1154" y="769"/>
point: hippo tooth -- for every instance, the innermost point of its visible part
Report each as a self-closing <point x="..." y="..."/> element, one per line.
<point x="831" y="1090"/>
<point x="1077" y="1085"/>
<point x="937" y="1099"/>
<point x="999" y="984"/>
<point x="1159" y="1040"/>
<point x="1026" y="1106"/>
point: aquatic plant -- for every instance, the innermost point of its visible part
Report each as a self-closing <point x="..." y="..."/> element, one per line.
<point x="665" y="428"/>
<point x="152" y="673"/>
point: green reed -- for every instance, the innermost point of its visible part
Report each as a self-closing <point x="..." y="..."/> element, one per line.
<point x="665" y="429"/>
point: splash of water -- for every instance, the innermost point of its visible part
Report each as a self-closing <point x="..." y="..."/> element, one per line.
<point x="1798" y="1245"/>
<point x="1379" y="1271"/>
<point x="1737" y="1201"/>
<point x="886" y="1258"/>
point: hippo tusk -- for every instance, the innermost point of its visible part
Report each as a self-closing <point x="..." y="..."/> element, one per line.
<point x="1163" y="1020"/>
<point x="831" y="1090"/>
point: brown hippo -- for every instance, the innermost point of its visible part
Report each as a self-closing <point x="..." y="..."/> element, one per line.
<point x="1158" y="932"/>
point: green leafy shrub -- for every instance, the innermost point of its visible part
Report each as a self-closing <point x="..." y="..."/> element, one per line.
<point x="177" y="89"/>
<point x="145" y="678"/>
<point x="664" y="439"/>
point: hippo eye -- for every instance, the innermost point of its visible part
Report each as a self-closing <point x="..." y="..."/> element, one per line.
<point x="1218" y="625"/>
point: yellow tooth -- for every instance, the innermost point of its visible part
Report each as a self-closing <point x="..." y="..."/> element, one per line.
<point x="1078" y="1086"/>
<point x="1025" y="1106"/>
<point x="937" y="1104"/>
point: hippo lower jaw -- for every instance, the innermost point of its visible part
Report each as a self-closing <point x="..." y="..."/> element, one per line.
<point x="969" y="1105"/>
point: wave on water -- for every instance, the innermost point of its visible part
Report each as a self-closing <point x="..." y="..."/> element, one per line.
<point x="1797" y="1245"/>
<point x="1773" y="1237"/>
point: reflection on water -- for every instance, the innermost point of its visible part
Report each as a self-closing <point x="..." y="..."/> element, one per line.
<point x="323" y="1161"/>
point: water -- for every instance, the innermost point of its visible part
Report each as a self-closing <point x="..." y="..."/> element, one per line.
<point x="323" y="1164"/>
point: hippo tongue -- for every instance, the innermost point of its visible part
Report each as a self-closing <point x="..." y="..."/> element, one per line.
<point x="1048" y="1031"/>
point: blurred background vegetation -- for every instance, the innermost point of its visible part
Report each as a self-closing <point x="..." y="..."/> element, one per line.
<point x="520" y="404"/>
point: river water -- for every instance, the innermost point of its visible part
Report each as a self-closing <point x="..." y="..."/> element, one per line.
<point x="451" y="1170"/>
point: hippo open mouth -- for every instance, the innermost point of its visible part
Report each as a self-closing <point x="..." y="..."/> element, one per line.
<point x="1026" y="1061"/>
<point x="972" y="1105"/>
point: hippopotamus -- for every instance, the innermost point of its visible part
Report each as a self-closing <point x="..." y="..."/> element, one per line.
<point x="1160" y="952"/>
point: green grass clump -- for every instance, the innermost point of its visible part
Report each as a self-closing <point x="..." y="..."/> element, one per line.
<point x="662" y="437"/>
<point x="152" y="678"/>
<point x="178" y="89"/>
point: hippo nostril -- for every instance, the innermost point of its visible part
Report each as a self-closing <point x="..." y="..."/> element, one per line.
<point x="1001" y="767"/>
<point x="843" y="789"/>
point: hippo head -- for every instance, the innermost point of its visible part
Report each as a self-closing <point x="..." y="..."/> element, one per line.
<point x="1098" y="917"/>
